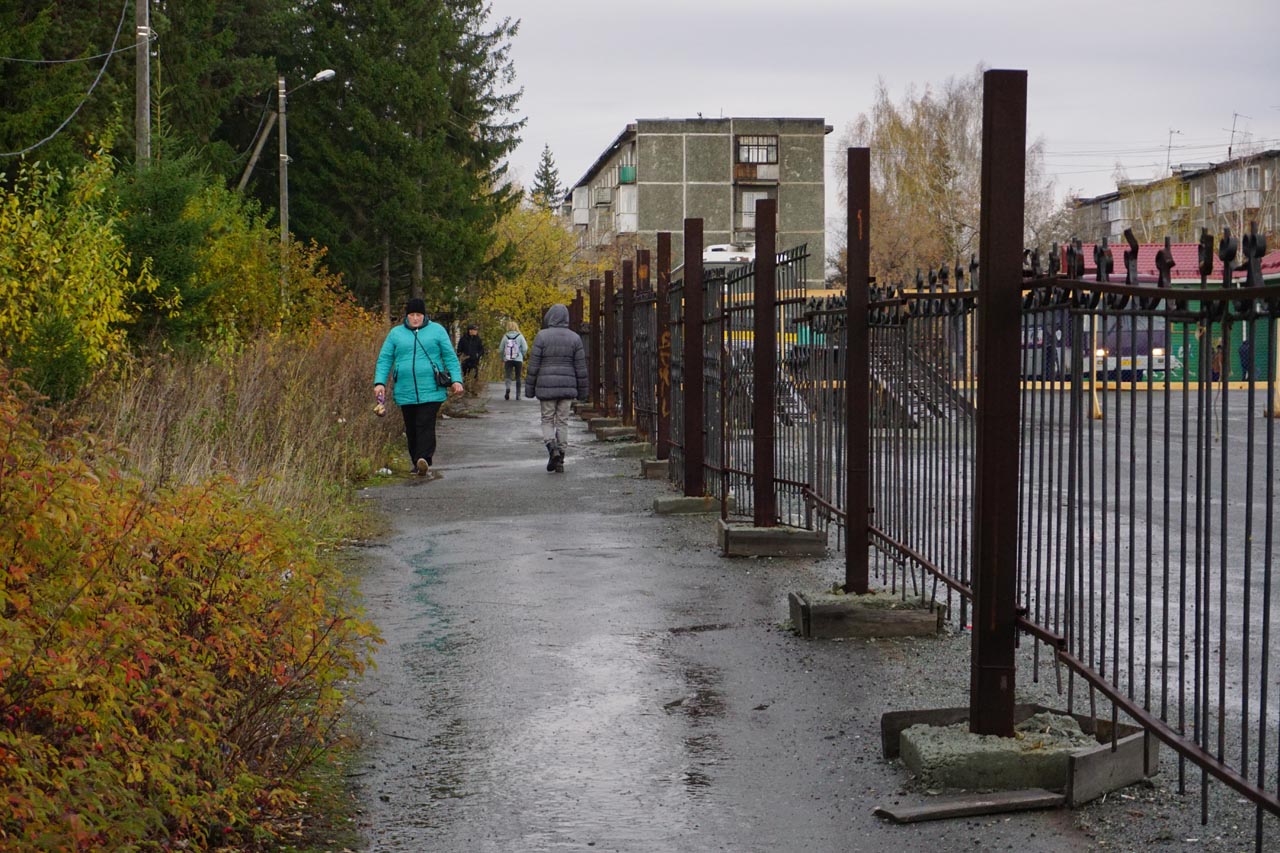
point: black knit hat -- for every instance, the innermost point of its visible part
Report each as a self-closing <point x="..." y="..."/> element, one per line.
<point x="415" y="306"/>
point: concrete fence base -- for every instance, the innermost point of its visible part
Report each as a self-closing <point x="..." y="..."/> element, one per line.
<point x="937" y="746"/>
<point x="828" y="615"/>
<point x="746" y="540"/>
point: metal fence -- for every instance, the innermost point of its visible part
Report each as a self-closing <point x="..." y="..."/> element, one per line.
<point x="778" y="397"/>
<point x="1147" y="534"/>
<point x="1089" y="476"/>
<point x="674" y="310"/>
<point x="644" y="352"/>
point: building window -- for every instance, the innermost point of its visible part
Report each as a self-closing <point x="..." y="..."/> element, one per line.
<point x="1253" y="178"/>
<point x="1181" y="196"/>
<point x="757" y="149"/>
<point x="1197" y="195"/>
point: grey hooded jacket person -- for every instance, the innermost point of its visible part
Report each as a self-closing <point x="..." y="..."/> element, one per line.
<point x="557" y="366"/>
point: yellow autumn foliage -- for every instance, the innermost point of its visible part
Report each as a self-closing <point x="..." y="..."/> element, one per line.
<point x="65" y="287"/>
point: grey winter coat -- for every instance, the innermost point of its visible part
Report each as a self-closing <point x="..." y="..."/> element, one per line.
<point x="557" y="367"/>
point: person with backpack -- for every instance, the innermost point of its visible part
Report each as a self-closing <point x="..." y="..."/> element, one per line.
<point x="514" y="348"/>
<point x="419" y="358"/>
<point x="556" y="375"/>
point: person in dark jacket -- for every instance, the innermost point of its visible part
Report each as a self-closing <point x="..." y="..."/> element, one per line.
<point x="471" y="348"/>
<point x="556" y="374"/>
<point x="411" y="355"/>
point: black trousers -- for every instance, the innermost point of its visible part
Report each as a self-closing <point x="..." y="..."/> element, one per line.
<point x="420" y="430"/>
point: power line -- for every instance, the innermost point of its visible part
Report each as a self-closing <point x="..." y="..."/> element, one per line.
<point x="124" y="11"/>
<point x="108" y="54"/>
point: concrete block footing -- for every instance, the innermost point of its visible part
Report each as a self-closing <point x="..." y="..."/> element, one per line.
<point x="828" y="615"/>
<point x="681" y="504"/>
<point x="630" y="449"/>
<point x="1068" y="753"/>
<point x="655" y="469"/>
<point x="746" y="540"/>
<point x="598" y="423"/>
<point x="615" y="433"/>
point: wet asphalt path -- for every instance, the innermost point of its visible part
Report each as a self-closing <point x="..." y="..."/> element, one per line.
<point x="564" y="670"/>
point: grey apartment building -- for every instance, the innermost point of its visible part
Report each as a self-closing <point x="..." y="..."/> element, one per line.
<point x="658" y="172"/>
<point x="1231" y="194"/>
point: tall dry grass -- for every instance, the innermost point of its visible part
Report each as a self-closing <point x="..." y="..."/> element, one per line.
<point x="289" y="414"/>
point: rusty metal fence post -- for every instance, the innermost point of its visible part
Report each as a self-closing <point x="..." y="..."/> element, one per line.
<point x="624" y="345"/>
<point x="765" y="364"/>
<point x="663" y="447"/>
<point x="695" y="438"/>
<point x="575" y="312"/>
<point x="609" y="333"/>
<point x="1004" y="131"/>
<point x="858" y="372"/>
<point x="594" y="359"/>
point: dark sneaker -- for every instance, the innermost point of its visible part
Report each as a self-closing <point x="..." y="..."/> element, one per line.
<point x="423" y="467"/>
<point x="551" y="457"/>
<point x="558" y="462"/>
<point x="507" y="395"/>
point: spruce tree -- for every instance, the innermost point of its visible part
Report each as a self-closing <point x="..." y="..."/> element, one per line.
<point x="546" y="190"/>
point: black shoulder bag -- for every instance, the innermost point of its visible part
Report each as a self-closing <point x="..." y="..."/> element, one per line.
<point x="442" y="379"/>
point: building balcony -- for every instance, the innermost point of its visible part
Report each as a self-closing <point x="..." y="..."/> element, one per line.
<point x="1239" y="200"/>
<point x="755" y="173"/>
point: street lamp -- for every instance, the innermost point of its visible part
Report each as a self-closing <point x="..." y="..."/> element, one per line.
<point x="326" y="74"/>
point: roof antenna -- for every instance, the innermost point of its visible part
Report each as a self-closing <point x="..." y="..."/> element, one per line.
<point x="1168" y="154"/>
<point x="1232" y="143"/>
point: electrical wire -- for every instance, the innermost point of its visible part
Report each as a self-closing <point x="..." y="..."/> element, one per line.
<point x="124" y="12"/>
<point x="125" y="49"/>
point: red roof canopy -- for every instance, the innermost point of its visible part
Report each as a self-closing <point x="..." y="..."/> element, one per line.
<point x="1186" y="256"/>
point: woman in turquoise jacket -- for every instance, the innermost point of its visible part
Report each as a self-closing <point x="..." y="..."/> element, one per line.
<point x="412" y="354"/>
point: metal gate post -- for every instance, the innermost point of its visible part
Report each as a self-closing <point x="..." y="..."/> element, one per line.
<point x="628" y="335"/>
<point x="995" y="558"/>
<point x="764" y="364"/>
<point x="644" y="284"/>
<point x="695" y="435"/>
<point x="857" y="362"/>
<point x="597" y="326"/>
<point x="610" y="348"/>
<point x="575" y="312"/>
<point x="663" y="373"/>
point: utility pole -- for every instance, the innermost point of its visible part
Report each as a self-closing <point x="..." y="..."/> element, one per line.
<point x="284" y="167"/>
<point x="284" y="196"/>
<point x="142" y="103"/>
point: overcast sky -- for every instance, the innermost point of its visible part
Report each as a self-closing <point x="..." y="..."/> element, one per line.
<point x="1107" y="81"/>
